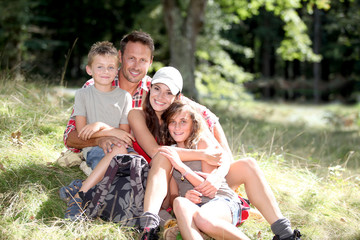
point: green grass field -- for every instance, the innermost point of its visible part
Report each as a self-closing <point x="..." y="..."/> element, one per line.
<point x="310" y="156"/>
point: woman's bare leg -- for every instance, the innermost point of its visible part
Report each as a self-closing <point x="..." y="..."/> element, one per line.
<point x="157" y="183"/>
<point x="246" y="171"/>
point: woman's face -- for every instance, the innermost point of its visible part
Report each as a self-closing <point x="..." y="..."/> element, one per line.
<point x="180" y="127"/>
<point x="161" y="97"/>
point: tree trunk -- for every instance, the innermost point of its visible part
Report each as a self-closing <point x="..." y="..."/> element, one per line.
<point x="316" y="66"/>
<point x="182" y="32"/>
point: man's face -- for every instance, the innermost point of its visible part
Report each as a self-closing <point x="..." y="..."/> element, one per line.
<point x="135" y="61"/>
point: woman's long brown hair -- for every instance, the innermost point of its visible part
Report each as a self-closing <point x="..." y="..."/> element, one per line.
<point x="152" y="121"/>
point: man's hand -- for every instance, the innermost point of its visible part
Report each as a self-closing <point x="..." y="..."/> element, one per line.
<point x="124" y="136"/>
<point x="106" y="143"/>
<point x="194" y="196"/>
<point x="210" y="186"/>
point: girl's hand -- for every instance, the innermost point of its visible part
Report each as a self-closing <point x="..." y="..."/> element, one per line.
<point x="173" y="157"/>
<point x="194" y="196"/>
<point x="210" y="186"/>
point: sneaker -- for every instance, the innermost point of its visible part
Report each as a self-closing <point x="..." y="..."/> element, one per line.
<point x="74" y="209"/>
<point x="85" y="168"/>
<point x="150" y="234"/>
<point x="296" y="236"/>
<point x="68" y="192"/>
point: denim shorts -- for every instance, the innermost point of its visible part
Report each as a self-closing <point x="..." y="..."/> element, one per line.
<point x="94" y="156"/>
<point x="234" y="206"/>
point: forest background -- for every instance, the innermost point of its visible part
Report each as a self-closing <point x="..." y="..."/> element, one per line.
<point x="305" y="50"/>
<point x="282" y="75"/>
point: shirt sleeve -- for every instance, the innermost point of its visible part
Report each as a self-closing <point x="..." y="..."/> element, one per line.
<point x="126" y="109"/>
<point x="71" y="126"/>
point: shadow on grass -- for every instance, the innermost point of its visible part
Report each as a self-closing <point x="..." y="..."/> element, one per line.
<point x="25" y="188"/>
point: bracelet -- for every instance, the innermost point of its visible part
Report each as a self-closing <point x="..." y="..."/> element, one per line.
<point x="183" y="176"/>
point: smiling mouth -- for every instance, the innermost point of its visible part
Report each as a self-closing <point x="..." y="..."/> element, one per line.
<point x="159" y="103"/>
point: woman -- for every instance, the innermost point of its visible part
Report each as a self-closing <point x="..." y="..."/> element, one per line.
<point x="217" y="217"/>
<point x="145" y="124"/>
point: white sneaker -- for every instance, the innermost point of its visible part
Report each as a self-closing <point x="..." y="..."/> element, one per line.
<point x="85" y="168"/>
<point x="69" y="159"/>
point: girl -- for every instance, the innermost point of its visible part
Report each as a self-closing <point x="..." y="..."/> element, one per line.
<point x="195" y="213"/>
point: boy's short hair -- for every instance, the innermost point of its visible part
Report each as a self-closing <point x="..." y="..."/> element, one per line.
<point x="137" y="36"/>
<point x="102" y="48"/>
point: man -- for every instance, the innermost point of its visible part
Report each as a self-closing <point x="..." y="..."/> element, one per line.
<point x="136" y="56"/>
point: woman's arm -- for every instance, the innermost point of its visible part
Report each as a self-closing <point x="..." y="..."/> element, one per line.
<point x="148" y="143"/>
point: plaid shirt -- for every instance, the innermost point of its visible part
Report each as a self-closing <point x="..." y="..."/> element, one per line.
<point x="142" y="88"/>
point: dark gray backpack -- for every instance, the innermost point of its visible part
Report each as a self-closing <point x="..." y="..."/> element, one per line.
<point x="119" y="196"/>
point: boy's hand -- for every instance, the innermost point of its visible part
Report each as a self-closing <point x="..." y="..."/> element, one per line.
<point x="88" y="130"/>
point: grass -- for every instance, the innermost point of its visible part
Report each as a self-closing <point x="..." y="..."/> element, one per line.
<point x="313" y="170"/>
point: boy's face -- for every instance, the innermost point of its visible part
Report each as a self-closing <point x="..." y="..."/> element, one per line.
<point x="103" y="69"/>
<point x="135" y="61"/>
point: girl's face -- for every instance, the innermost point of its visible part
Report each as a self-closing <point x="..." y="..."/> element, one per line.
<point x="180" y="127"/>
<point x="160" y="97"/>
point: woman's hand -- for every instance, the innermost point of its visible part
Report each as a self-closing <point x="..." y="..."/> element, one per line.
<point x="210" y="186"/>
<point x="213" y="156"/>
<point x="194" y="196"/>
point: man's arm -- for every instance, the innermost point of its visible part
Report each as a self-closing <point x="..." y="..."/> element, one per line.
<point x="73" y="141"/>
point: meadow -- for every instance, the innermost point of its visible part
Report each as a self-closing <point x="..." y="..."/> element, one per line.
<point x="309" y="154"/>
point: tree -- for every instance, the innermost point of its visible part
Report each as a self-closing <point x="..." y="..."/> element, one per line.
<point x="184" y="20"/>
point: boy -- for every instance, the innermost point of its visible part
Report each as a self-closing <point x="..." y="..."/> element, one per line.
<point x="102" y="109"/>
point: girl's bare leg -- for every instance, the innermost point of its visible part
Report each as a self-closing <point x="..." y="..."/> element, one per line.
<point x="246" y="171"/>
<point x="184" y="210"/>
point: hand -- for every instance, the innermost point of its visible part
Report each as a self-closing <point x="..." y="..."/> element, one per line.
<point x="194" y="196"/>
<point x="171" y="154"/>
<point x="106" y="143"/>
<point x="88" y="130"/>
<point x="124" y="136"/>
<point x="210" y="186"/>
<point x="214" y="156"/>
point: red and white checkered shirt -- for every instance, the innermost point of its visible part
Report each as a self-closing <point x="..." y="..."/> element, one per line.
<point x="143" y="87"/>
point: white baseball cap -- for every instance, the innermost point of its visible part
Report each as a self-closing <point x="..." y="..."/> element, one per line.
<point x="169" y="76"/>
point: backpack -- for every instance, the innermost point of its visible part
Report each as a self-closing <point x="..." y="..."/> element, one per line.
<point x="119" y="196"/>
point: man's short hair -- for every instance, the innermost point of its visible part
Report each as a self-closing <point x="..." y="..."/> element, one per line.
<point x="137" y="36"/>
